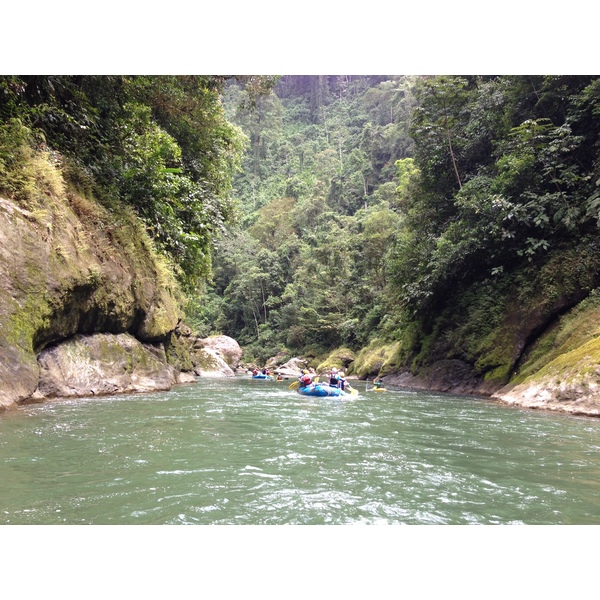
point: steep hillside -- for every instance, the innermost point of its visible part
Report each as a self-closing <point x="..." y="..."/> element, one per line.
<point x="437" y="227"/>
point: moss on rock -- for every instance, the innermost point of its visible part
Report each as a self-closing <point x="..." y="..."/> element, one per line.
<point x="69" y="266"/>
<point x="377" y="359"/>
<point x="340" y="358"/>
<point x="561" y="371"/>
<point x="101" y="364"/>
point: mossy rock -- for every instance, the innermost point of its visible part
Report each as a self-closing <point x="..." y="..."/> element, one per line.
<point x="377" y="359"/>
<point x="341" y="359"/>
<point x="70" y="267"/>
<point x="569" y="383"/>
<point x="102" y="364"/>
<point x="178" y="351"/>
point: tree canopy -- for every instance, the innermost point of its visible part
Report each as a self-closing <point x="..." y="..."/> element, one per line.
<point x="305" y="213"/>
<point x="160" y="144"/>
<point x="387" y="203"/>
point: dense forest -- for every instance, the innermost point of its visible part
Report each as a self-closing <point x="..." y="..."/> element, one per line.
<point x="423" y="217"/>
<point x="160" y="145"/>
<point x="409" y="218"/>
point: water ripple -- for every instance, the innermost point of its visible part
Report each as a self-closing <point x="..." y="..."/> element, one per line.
<point x="242" y="452"/>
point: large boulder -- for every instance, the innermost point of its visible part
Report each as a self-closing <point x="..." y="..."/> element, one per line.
<point x="292" y="368"/>
<point x="102" y="364"/>
<point x="224" y="346"/>
<point x="215" y="356"/>
<point x="210" y="363"/>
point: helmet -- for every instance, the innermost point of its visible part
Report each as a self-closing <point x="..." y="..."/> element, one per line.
<point x="334" y="370"/>
<point x="341" y="373"/>
<point x="305" y="372"/>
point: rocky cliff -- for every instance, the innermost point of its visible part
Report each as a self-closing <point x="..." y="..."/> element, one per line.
<point x="67" y="267"/>
<point x="558" y="371"/>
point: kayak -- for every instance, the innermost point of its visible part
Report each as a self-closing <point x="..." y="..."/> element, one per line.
<point x="261" y="376"/>
<point x="378" y="390"/>
<point x="320" y="389"/>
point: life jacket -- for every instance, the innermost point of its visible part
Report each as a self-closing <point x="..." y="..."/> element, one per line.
<point x="333" y="379"/>
<point x="305" y="380"/>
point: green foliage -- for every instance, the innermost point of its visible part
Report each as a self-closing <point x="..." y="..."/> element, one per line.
<point x="425" y="249"/>
<point x="159" y="144"/>
<point x="520" y="188"/>
<point x="318" y="191"/>
<point x="400" y="209"/>
<point x="28" y="170"/>
<point x="376" y="359"/>
<point x="203" y="313"/>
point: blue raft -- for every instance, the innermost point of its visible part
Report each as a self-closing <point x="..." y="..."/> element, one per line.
<point x="261" y="376"/>
<point x="320" y="389"/>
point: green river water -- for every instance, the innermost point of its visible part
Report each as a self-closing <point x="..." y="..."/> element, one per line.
<point x="238" y="451"/>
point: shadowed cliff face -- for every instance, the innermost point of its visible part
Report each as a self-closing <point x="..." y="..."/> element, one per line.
<point x="72" y="267"/>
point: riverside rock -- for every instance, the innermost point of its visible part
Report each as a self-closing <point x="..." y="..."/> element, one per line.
<point x="102" y="364"/>
<point x="292" y="368"/>
<point x="214" y="356"/>
<point x="225" y="347"/>
<point x="210" y="363"/>
<point x="64" y="272"/>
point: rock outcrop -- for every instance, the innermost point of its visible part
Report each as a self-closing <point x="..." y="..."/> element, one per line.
<point x="569" y="383"/>
<point x="72" y="267"/>
<point x="292" y="368"/>
<point x="101" y="364"/>
<point x="210" y="363"/>
<point x="451" y="375"/>
<point x="224" y="347"/>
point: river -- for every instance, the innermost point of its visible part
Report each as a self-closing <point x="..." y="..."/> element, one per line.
<point x="238" y="451"/>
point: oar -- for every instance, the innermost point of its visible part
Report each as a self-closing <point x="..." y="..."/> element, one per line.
<point x="352" y="390"/>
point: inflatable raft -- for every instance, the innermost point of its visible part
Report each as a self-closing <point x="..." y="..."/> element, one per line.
<point x="261" y="376"/>
<point x="320" y="389"/>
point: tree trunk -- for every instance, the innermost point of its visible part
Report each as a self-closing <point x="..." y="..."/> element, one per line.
<point x="452" y="155"/>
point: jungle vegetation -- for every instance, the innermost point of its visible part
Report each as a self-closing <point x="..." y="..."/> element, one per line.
<point x="161" y="145"/>
<point x="415" y="211"/>
<point x="435" y="215"/>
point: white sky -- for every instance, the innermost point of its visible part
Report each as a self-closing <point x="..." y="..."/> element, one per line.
<point x="309" y="37"/>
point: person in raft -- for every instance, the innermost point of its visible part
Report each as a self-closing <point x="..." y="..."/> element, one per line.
<point x="378" y="384"/>
<point x="334" y="378"/>
<point x="342" y="381"/>
<point x="305" y="379"/>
